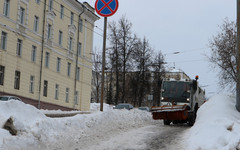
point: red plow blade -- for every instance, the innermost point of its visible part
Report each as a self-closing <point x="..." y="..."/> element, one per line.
<point x="175" y="112"/>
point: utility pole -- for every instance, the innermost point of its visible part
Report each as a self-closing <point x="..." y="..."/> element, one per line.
<point x="238" y="57"/>
<point x="103" y="62"/>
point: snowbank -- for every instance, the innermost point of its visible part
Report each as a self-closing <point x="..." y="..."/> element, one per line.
<point x="217" y="125"/>
<point x="96" y="107"/>
<point x="36" y="131"/>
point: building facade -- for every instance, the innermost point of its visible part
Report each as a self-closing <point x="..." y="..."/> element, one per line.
<point x="45" y="52"/>
<point x="176" y="74"/>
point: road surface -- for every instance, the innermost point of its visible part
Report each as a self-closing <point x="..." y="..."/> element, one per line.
<point x="151" y="137"/>
<point x="167" y="137"/>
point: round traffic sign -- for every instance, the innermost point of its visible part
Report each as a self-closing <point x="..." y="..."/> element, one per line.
<point x="106" y="8"/>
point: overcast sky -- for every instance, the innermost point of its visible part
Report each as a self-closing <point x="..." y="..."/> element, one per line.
<point x="184" y="26"/>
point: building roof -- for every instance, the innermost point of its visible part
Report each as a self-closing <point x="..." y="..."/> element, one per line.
<point x="89" y="8"/>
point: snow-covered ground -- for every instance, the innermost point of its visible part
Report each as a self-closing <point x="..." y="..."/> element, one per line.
<point x="36" y="131"/>
<point x="217" y="127"/>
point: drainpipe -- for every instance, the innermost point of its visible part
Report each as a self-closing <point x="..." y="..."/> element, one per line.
<point x="75" y="80"/>
<point x="41" y="63"/>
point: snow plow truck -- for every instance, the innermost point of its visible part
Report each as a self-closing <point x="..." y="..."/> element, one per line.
<point x="180" y="100"/>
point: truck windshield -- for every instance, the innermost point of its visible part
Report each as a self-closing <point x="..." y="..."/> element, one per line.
<point x="177" y="91"/>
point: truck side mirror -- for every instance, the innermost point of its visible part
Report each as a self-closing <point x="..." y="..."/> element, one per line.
<point x="194" y="85"/>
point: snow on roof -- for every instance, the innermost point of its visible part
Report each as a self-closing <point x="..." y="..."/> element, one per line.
<point x="175" y="70"/>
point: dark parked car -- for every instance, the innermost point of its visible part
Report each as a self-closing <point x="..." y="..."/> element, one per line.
<point x="7" y="98"/>
<point x="124" y="106"/>
<point x="144" y="108"/>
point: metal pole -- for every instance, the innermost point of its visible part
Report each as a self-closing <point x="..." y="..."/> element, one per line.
<point x="103" y="62"/>
<point x="238" y="57"/>
<point x="41" y="63"/>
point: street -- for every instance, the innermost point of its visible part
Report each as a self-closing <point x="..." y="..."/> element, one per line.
<point x="151" y="137"/>
<point x="166" y="137"/>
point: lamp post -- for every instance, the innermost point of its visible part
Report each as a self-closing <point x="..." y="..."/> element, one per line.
<point x="238" y="57"/>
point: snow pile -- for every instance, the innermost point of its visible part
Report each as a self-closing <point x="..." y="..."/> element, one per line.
<point x="217" y="125"/>
<point x="36" y="131"/>
<point x="19" y="114"/>
<point x="96" y="107"/>
<point x="45" y="111"/>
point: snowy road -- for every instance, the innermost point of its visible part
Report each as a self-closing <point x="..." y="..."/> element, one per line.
<point x="166" y="137"/>
<point x="152" y="137"/>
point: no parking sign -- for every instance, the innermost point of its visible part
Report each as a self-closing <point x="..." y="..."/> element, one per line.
<point x="106" y="8"/>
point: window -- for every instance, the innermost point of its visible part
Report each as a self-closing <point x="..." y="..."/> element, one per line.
<point x="50" y="6"/>
<point x="45" y="87"/>
<point x="47" y="59"/>
<point x="76" y="98"/>
<point x="67" y="95"/>
<point x="68" y="69"/>
<point x="31" y="86"/>
<point x="37" y="1"/>
<point x="36" y="22"/>
<point x="4" y="40"/>
<point x="72" y="17"/>
<point x="6" y="8"/>
<point x="70" y="43"/>
<point x="61" y="11"/>
<point x="22" y="15"/>
<point x="78" y="73"/>
<point x="17" y="80"/>
<point x="49" y="31"/>
<point x="80" y="25"/>
<point x="2" y="71"/>
<point x="60" y="37"/>
<point x="58" y="64"/>
<point x="79" y="48"/>
<point x="34" y="51"/>
<point x="56" y="91"/>
<point x="19" y="47"/>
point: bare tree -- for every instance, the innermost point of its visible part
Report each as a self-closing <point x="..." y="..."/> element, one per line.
<point x="96" y="79"/>
<point x="158" y="75"/>
<point x="223" y="46"/>
<point x="130" y="64"/>
<point x="121" y="47"/>
<point x="115" y="63"/>
<point x="143" y="61"/>
<point x="126" y="45"/>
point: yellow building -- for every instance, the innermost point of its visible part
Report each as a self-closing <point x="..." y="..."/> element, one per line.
<point x="41" y="41"/>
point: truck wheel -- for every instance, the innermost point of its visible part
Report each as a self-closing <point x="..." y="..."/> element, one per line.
<point x="166" y="122"/>
<point x="192" y="119"/>
<point x="175" y="122"/>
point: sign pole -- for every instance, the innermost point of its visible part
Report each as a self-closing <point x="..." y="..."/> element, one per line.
<point x="238" y="57"/>
<point x="105" y="8"/>
<point x="103" y="62"/>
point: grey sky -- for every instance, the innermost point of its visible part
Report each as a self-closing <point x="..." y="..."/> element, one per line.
<point x="183" y="26"/>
